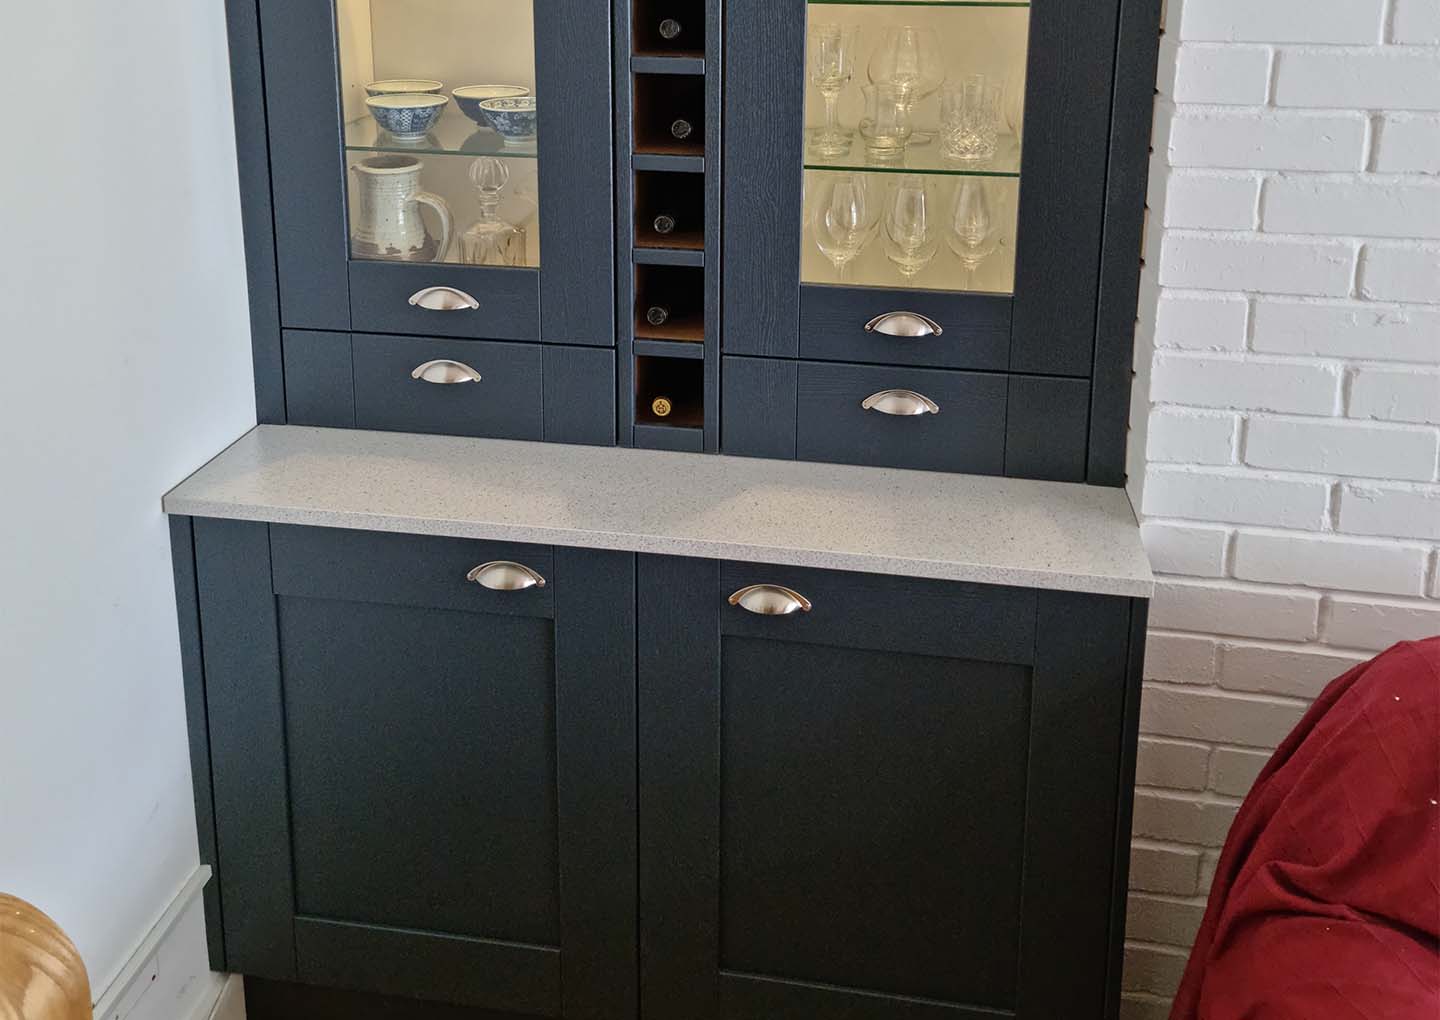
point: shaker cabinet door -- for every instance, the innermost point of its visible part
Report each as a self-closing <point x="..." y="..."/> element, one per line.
<point x="424" y="785"/>
<point x="922" y="183"/>
<point x="419" y="187"/>
<point x="875" y="798"/>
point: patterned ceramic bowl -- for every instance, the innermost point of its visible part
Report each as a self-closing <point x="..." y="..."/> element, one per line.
<point x="469" y="98"/>
<point x="516" y="119"/>
<point x="403" y="86"/>
<point x="408" y="116"/>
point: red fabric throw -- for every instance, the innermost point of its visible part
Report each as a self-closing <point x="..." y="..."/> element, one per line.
<point x="1326" y="901"/>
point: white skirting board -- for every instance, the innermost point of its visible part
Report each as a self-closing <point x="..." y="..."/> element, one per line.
<point x="168" y="977"/>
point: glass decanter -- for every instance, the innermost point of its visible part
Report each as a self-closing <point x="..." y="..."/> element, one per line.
<point x="490" y="240"/>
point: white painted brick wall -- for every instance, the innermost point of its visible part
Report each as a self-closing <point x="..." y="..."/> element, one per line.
<point x="1285" y="448"/>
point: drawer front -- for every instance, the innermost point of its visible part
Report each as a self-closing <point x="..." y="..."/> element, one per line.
<point x="508" y="300"/>
<point x="974" y="328"/>
<point x="966" y="434"/>
<point x="506" y="403"/>
<point x="405" y="570"/>
<point x="886" y="613"/>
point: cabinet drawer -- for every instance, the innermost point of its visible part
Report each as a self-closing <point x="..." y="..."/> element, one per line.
<point x="882" y="612"/>
<point x="508" y="299"/>
<point x="966" y="433"/>
<point x="975" y="328"/>
<point x="506" y="402"/>
<point x="404" y="570"/>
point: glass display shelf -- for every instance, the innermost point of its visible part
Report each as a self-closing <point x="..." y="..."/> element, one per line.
<point x="921" y="159"/>
<point x="453" y="134"/>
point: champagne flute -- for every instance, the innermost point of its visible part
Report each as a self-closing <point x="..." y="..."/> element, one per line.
<point x="843" y="219"/>
<point x="972" y="235"/>
<point x="831" y="59"/>
<point x="909" y="58"/>
<point x="911" y="230"/>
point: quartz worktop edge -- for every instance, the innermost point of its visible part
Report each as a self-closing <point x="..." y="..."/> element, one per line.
<point x="869" y="520"/>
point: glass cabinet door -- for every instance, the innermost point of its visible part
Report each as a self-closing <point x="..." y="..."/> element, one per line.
<point x="442" y="167"/>
<point x="928" y="184"/>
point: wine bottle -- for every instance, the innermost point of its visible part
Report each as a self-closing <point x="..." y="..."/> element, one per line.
<point x="665" y="224"/>
<point x="670" y="29"/>
<point x="657" y="315"/>
<point x="662" y="407"/>
<point x="681" y="129"/>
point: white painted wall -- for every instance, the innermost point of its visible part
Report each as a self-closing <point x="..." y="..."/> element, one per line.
<point x="1285" y="442"/>
<point x="126" y="365"/>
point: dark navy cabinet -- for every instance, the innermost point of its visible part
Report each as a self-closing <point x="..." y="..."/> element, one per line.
<point x="652" y="786"/>
<point x="421" y="786"/>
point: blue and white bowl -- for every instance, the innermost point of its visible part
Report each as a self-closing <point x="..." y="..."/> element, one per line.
<point x="404" y="86"/>
<point x="407" y="116"/>
<point x="514" y="118"/>
<point x="469" y="98"/>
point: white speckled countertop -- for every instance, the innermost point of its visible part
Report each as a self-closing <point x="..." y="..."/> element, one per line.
<point x="915" y="523"/>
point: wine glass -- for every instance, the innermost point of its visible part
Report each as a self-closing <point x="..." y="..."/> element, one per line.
<point x="831" y="57"/>
<point x="909" y="58"/>
<point x="911" y="230"/>
<point x="843" y="219"/>
<point x="972" y="236"/>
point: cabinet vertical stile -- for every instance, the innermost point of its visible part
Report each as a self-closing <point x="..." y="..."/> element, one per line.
<point x="669" y="230"/>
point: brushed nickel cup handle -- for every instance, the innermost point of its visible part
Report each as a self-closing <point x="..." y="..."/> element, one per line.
<point x="444" y="299"/>
<point x="445" y="372"/>
<point x="904" y="324"/>
<point x="900" y="402"/>
<point x="770" y="600"/>
<point x="503" y="575"/>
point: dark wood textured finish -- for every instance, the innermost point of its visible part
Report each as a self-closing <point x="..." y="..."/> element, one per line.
<point x="1045" y="428"/>
<point x="1077" y="715"/>
<point x="579" y="395"/>
<point x="595" y="706"/>
<point x="758" y="397"/>
<point x="508" y="402"/>
<point x="714" y="215"/>
<point x="764" y="99"/>
<point x="509" y="300"/>
<point x="247" y="745"/>
<point x="1130" y="128"/>
<point x="976" y="327"/>
<point x="404" y="570"/>
<point x="747" y="995"/>
<point x="879" y="612"/>
<point x="967" y="435"/>
<point x="302" y="82"/>
<point x="669" y="437"/>
<point x="572" y="73"/>
<point x="319" y="379"/>
<point x="192" y="669"/>
<point x="471" y="972"/>
<point x="1125" y="804"/>
<point x="679" y="783"/>
<point x="257" y="217"/>
<point x="1062" y="198"/>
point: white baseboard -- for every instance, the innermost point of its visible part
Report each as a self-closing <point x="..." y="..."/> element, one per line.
<point x="168" y="977"/>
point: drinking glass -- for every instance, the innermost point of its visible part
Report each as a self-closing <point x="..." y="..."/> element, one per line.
<point x="911" y="230"/>
<point x="831" y="56"/>
<point x="885" y="125"/>
<point x="843" y="219"/>
<point x="972" y="236"/>
<point x="909" y="58"/>
<point x="970" y="116"/>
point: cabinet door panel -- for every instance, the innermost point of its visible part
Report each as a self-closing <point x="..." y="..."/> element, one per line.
<point x="440" y="804"/>
<point x="858" y="828"/>
<point x="976" y="327"/>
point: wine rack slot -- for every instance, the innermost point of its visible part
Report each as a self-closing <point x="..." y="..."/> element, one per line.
<point x="669" y="28"/>
<point x="670" y="303"/>
<point x="669" y="114"/>
<point x="670" y="210"/>
<point x="670" y="391"/>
